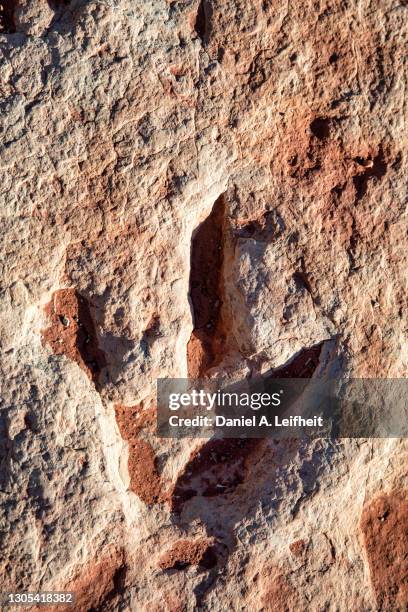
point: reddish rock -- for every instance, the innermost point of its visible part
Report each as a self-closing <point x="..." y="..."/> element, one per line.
<point x="95" y="584"/>
<point x="297" y="548"/>
<point x="199" y="354"/>
<point x="122" y="123"/>
<point x="145" y="480"/>
<point x="144" y="477"/>
<point x="72" y="331"/>
<point x="280" y="595"/>
<point x="98" y="581"/>
<point x="132" y="420"/>
<point x="170" y="601"/>
<point x="206" y="345"/>
<point x="384" y="523"/>
<point x="189" y="552"/>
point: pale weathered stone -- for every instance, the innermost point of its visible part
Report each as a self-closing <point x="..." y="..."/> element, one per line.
<point x="154" y="153"/>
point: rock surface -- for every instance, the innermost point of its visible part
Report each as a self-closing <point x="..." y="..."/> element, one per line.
<point x="189" y="188"/>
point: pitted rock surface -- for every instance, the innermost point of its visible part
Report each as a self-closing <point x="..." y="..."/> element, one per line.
<point x="192" y="187"/>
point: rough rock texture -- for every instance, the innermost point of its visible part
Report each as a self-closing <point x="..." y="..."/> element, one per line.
<point x="199" y="187"/>
<point x="72" y="332"/>
<point x="384" y="525"/>
<point x="185" y="552"/>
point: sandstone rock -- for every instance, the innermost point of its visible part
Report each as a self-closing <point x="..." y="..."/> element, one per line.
<point x="383" y="524"/>
<point x="185" y="552"/>
<point x="199" y="187"/>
